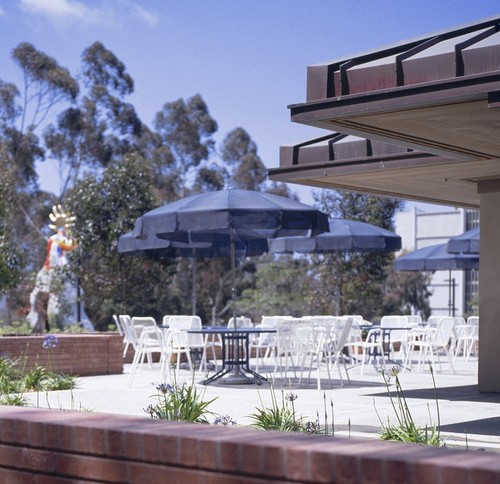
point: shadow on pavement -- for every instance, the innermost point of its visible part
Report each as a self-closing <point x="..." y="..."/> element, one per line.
<point x="466" y="393"/>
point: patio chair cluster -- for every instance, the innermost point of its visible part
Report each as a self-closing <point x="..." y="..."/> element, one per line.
<point x="170" y="341"/>
<point x="289" y="347"/>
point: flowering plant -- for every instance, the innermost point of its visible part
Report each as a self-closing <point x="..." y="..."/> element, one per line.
<point x="179" y="403"/>
<point x="50" y="342"/>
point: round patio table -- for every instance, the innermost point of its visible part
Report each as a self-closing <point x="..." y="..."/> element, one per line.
<point x="235" y="355"/>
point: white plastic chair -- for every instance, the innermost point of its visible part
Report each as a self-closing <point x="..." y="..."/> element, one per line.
<point x="284" y="349"/>
<point x="337" y="356"/>
<point x="431" y="341"/>
<point x="306" y="347"/>
<point x="466" y="337"/>
<point x="136" y="326"/>
<point x="396" y="336"/>
<point x="128" y="336"/>
<point x="473" y="321"/>
<point x="371" y="349"/>
<point x="176" y="344"/>
<point x="150" y="342"/>
<point x="196" y="341"/>
<point x="118" y="325"/>
<point x="265" y="344"/>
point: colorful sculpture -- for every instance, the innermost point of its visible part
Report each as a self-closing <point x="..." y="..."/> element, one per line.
<point x="51" y="280"/>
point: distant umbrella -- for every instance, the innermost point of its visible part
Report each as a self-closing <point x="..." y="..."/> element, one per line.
<point x="344" y="234"/>
<point x="435" y="258"/>
<point x="466" y="243"/>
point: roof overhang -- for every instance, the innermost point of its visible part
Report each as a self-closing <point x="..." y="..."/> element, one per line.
<point x="429" y="111"/>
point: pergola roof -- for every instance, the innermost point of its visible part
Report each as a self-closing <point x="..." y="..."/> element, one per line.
<point x="426" y="110"/>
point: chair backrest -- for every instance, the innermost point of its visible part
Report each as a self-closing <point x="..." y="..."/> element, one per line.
<point x="241" y="321"/>
<point x="176" y="340"/>
<point x="137" y="324"/>
<point x="270" y="321"/>
<point x="395" y="322"/>
<point x="444" y="331"/>
<point x="433" y="320"/>
<point x="196" y="340"/>
<point x="166" y="320"/>
<point x="473" y="320"/>
<point x="118" y="324"/>
<point x="151" y="337"/>
<point x="184" y="322"/>
<point x="414" y="320"/>
<point x="343" y="337"/>
<point x="304" y="337"/>
<point x="459" y="321"/>
<point x="284" y="336"/>
<point x="126" y="324"/>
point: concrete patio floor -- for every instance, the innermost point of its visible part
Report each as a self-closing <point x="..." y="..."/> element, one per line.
<point x="468" y="418"/>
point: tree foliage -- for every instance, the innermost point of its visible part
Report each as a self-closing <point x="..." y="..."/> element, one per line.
<point x="106" y="209"/>
<point x="113" y="168"/>
<point x="352" y="282"/>
<point x="45" y="84"/>
<point x="406" y="292"/>
<point x="101" y="126"/>
<point x="246" y="169"/>
<point x="11" y="257"/>
<point x="184" y="132"/>
<point x="282" y="286"/>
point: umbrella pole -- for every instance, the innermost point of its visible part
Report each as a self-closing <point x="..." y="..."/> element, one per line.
<point x="233" y="278"/>
<point x="234" y="348"/>
<point x="193" y="289"/>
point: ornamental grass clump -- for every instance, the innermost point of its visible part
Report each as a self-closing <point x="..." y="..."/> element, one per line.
<point x="283" y="417"/>
<point x="180" y="403"/>
<point x="15" y="379"/>
<point x="406" y="429"/>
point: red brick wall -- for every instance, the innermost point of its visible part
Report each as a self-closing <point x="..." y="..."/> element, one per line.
<point x="75" y="354"/>
<point x="54" y="446"/>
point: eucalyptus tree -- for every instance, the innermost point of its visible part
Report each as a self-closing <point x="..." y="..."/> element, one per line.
<point x="100" y="126"/>
<point x="44" y="85"/>
<point x="245" y="167"/>
<point x="184" y="130"/>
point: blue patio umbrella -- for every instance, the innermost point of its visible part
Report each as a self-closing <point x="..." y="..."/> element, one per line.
<point x="229" y="216"/>
<point x="466" y="243"/>
<point x="128" y="244"/>
<point x="343" y="235"/>
<point x="436" y="258"/>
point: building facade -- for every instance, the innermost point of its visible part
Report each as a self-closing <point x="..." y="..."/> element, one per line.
<point x="453" y="292"/>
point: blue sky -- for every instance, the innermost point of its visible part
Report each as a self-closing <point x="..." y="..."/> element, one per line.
<point x="247" y="58"/>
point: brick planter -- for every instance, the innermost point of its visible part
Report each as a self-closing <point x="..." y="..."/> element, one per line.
<point x="75" y="354"/>
<point x="54" y="446"/>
